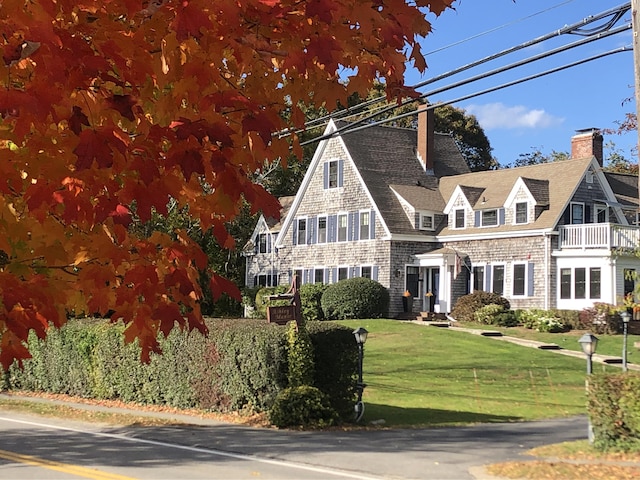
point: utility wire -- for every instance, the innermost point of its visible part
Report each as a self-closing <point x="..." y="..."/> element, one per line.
<point x="495" y="29"/>
<point x="578" y="43"/>
<point x="617" y="12"/>
<point x="498" y="87"/>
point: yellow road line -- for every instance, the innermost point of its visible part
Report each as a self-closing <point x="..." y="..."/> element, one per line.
<point x="62" y="467"/>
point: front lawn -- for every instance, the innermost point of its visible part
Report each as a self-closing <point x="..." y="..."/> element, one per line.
<point x="419" y="375"/>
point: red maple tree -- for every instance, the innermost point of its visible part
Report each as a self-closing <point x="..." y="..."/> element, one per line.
<point x="110" y="108"/>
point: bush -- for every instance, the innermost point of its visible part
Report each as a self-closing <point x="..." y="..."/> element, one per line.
<point x="603" y="318"/>
<point x="336" y="360"/>
<point x="549" y="324"/>
<point x="303" y="406"/>
<point x="311" y="301"/>
<point x="467" y="305"/>
<point x="507" y="318"/>
<point x="355" y="298"/>
<point x="570" y="319"/>
<point x="261" y="301"/>
<point x="487" y="313"/>
<point x="613" y="405"/>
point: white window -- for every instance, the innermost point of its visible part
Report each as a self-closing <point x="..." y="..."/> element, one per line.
<point x="519" y="279"/>
<point x="497" y="279"/>
<point x="333" y="174"/>
<point x="489" y="218"/>
<point x="262" y="243"/>
<point x="318" y="275"/>
<point x="521" y="212"/>
<point x="459" y="221"/>
<point x="342" y="227"/>
<point x="365" y="220"/>
<point x="343" y="273"/>
<point x="322" y="229"/>
<point x="601" y="213"/>
<point x="426" y="222"/>
<point x="577" y="213"/>
<point x="302" y="231"/>
<point x="365" y="272"/>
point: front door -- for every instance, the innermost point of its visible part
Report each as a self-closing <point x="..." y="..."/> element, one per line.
<point x="431" y="282"/>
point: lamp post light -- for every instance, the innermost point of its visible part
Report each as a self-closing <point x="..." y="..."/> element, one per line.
<point x="626" y="316"/>
<point x="361" y="337"/>
<point x="588" y="342"/>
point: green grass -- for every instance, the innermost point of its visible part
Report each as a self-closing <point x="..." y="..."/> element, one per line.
<point x="607" y="344"/>
<point x="418" y="375"/>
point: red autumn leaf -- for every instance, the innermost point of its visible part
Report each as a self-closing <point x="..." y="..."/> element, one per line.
<point x="190" y="21"/>
<point x="77" y="119"/>
<point x="123" y="104"/>
<point x="261" y="123"/>
<point x="220" y="285"/>
<point x="97" y="145"/>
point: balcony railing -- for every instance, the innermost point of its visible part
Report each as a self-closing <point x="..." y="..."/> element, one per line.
<point x="599" y="235"/>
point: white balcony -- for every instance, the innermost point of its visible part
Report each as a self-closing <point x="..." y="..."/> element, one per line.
<point x="599" y="235"/>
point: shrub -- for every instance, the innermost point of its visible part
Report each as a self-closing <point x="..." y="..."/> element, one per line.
<point x="549" y="324"/>
<point x="303" y="406"/>
<point x="355" y="298"/>
<point x="311" y="301"/>
<point x="467" y="305"/>
<point x="299" y="356"/>
<point x="336" y="359"/>
<point x="603" y="318"/>
<point x="261" y="301"/>
<point x="613" y="405"/>
<point x="487" y="313"/>
<point x="506" y="318"/>
<point x="570" y="318"/>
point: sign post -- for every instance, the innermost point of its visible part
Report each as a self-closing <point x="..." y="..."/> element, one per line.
<point x="283" y="314"/>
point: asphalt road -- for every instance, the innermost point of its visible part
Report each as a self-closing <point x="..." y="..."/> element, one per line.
<point x="33" y="447"/>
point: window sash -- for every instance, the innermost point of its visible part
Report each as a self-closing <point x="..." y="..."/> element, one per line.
<point x="489" y="218"/>
<point x="459" y="218"/>
<point x="342" y="227"/>
<point x="478" y="278"/>
<point x="322" y="229"/>
<point x="497" y="282"/>
<point x="365" y="219"/>
<point x="521" y="212"/>
<point x="519" y="279"/>
<point x="595" y="279"/>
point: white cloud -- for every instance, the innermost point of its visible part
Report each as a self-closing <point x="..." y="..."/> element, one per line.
<point x="498" y="115"/>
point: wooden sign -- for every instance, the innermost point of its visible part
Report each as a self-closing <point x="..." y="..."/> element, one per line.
<point x="281" y="315"/>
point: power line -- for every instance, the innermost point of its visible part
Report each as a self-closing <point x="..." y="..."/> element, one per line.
<point x="578" y="43"/>
<point x="616" y="12"/>
<point x="495" y="29"/>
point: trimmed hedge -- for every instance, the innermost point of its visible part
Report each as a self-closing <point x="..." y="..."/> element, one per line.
<point x="242" y="364"/>
<point x="613" y="405"/>
<point x="355" y="298"/>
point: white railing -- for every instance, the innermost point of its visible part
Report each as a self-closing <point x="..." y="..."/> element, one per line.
<point x="599" y="235"/>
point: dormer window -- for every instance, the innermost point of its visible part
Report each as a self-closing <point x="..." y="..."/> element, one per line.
<point x="426" y="221"/>
<point x="521" y="212"/>
<point x="459" y="218"/>
<point x="489" y="218"/>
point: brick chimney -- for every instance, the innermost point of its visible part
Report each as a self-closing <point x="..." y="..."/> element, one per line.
<point x="425" y="137"/>
<point x="587" y="143"/>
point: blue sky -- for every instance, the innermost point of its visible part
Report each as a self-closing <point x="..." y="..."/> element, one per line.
<point x="543" y="113"/>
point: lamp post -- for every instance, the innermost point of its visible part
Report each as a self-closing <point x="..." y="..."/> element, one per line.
<point x="361" y="337"/>
<point x="626" y="316"/>
<point x="588" y="342"/>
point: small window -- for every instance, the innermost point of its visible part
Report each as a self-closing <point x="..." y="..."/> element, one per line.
<point x="521" y="212"/>
<point x="302" y="231"/>
<point x="478" y="278"/>
<point x="601" y="213"/>
<point x="580" y="283"/>
<point x="498" y="279"/>
<point x="426" y="222"/>
<point x="318" y="275"/>
<point x="365" y="272"/>
<point x="519" y="279"/>
<point x="342" y="227"/>
<point x="333" y="174"/>
<point x="262" y="242"/>
<point x="322" y="229"/>
<point x="365" y="220"/>
<point x="594" y="283"/>
<point x="343" y="273"/>
<point x="565" y="283"/>
<point x="489" y="218"/>
<point x="577" y="213"/>
<point x="459" y="218"/>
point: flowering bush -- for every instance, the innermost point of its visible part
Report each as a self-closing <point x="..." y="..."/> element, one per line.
<point x="550" y="325"/>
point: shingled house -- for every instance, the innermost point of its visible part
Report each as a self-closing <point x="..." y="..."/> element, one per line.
<point x="401" y="207"/>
